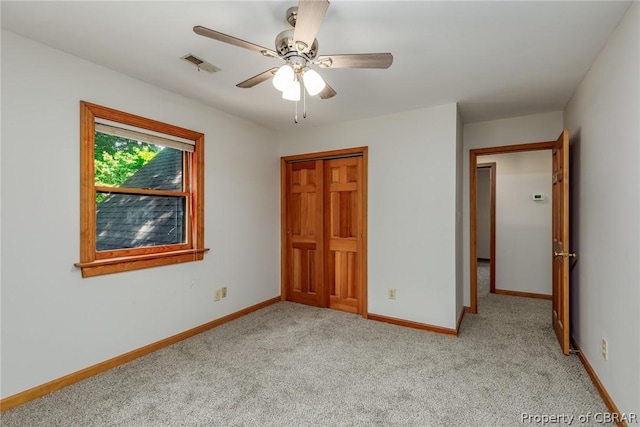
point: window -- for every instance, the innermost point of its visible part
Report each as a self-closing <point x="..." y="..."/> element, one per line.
<point x="141" y="192"/>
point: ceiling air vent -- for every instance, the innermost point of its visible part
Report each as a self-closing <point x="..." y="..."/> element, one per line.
<point x="201" y="64"/>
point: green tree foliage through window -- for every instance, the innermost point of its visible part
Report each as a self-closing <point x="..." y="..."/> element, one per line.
<point x="117" y="159"/>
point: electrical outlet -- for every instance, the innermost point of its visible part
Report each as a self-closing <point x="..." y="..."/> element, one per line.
<point x="217" y="295"/>
<point x="605" y="349"/>
<point x="391" y="293"/>
<point x="224" y="292"/>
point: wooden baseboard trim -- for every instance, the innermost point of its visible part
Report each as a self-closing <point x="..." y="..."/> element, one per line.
<point x="608" y="401"/>
<point x="410" y="324"/>
<point x="467" y="309"/>
<point x="57" y="384"/>
<point x="460" y="317"/>
<point x="522" y="294"/>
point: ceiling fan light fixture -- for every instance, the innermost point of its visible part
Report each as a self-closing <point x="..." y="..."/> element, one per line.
<point x="283" y="78"/>
<point x="313" y="82"/>
<point x="292" y="91"/>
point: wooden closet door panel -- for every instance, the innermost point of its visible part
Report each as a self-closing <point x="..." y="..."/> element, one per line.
<point x="343" y="232"/>
<point x="304" y="210"/>
<point x="561" y="253"/>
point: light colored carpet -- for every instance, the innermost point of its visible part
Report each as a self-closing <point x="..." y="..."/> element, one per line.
<point x="483" y="278"/>
<point x="293" y="365"/>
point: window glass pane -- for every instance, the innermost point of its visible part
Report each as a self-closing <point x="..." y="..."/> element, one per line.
<point x="134" y="220"/>
<point x="121" y="162"/>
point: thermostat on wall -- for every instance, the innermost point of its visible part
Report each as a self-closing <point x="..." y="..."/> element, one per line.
<point x="538" y="197"/>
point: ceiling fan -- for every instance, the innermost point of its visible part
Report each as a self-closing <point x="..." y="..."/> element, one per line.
<point x="298" y="47"/>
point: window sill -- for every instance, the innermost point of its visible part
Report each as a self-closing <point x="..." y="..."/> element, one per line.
<point x="117" y="265"/>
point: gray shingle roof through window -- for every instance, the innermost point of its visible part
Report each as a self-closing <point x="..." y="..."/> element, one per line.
<point x="131" y="221"/>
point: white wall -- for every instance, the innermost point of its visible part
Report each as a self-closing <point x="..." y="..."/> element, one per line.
<point x="53" y="321"/>
<point x="412" y="207"/>
<point x="496" y="133"/>
<point x="523" y="226"/>
<point x="603" y="120"/>
<point x="483" y="213"/>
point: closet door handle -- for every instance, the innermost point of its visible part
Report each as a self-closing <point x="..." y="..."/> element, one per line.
<point x="564" y="254"/>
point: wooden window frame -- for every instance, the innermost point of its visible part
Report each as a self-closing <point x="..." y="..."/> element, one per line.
<point x="95" y="263"/>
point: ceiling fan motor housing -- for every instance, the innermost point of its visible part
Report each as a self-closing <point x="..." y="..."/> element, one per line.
<point x="286" y="47"/>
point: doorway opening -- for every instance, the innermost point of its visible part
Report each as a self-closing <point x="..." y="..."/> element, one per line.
<point x="486" y="227"/>
<point x="558" y="251"/>
<point x="474" y="164"/>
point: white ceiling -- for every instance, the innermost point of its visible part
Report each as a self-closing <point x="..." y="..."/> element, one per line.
<point x="496" y="59"/>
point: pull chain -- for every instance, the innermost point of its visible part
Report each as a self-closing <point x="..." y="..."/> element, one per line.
<point x="304" y="101"/>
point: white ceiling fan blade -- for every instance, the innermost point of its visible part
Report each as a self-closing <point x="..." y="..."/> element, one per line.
<point x="356" y="60"/>
<point x="310" y="16"/>
<point x="251" y="82"/>
<point x="225" y="38"/>
<point x="327" y="92"/>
